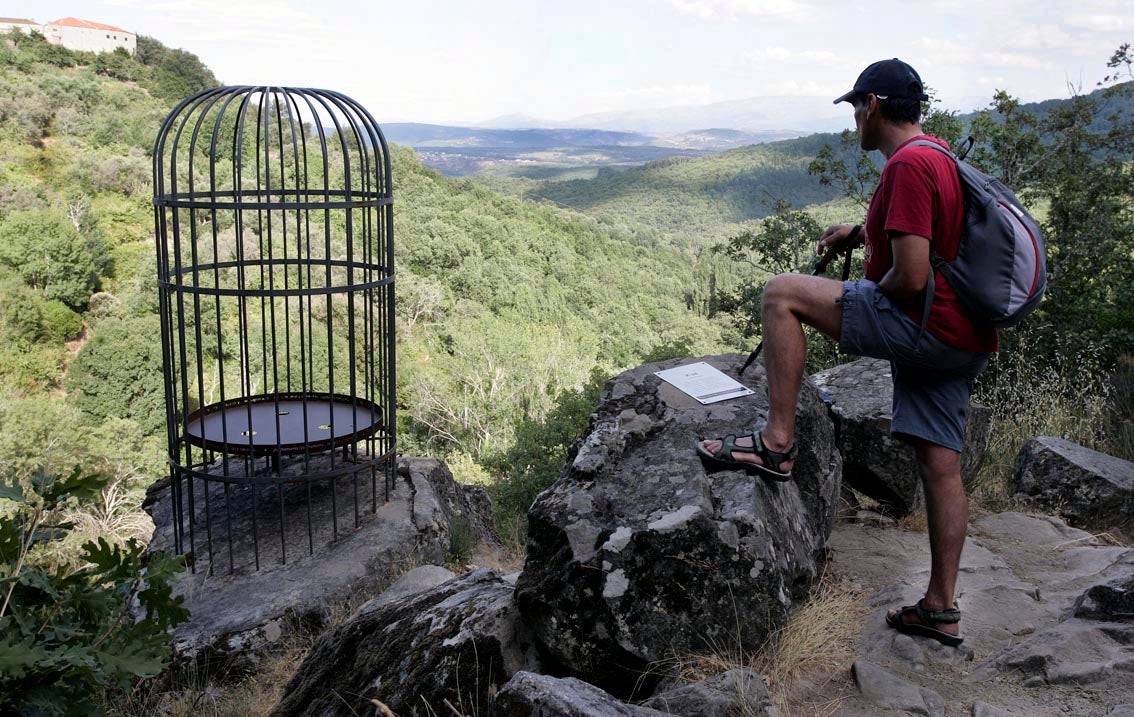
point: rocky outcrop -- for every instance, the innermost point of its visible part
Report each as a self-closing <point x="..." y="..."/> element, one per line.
<point x="235" y="615"/>
<point x="637" y="553"/>
<point x="1088" y="488"/>
<point x="532" y="695"/>
<point x="1091" y="643"/>
<point x="874" y="462"/>
<point x="1113" y="600"/>
<point x="456" y="643"/>
<point x="735" y="692"/>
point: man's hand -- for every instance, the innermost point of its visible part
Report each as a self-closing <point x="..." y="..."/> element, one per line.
<point x="836" y="235"/>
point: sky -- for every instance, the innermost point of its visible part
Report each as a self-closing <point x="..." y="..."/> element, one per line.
<point x="467" y="61"/>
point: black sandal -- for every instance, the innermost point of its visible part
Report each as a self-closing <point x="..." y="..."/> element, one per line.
<point x="928" y="617"/>
<point x="772" y="460"/>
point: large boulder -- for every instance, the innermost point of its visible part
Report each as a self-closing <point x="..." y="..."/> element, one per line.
<point x="1088" y="488"/>
<point x="637" y="553"/>
<point x="236" y="614"/>
<point x="874" y="462"/>
<point x="458" y="642"/>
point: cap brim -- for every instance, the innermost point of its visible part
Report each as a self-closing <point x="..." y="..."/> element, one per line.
<point x="844" y="98"/>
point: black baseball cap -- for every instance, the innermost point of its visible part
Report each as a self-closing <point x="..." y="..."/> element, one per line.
<point x="889" y="78"/>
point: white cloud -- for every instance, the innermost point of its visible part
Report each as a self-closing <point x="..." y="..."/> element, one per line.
<point x="783" y="54"/>
<point x="658" y="95"/>
<point x="1100" y="22"/>
<point x="1040" y="37"/>
<point x="732" y="8"/>
<point x="1016" y="60"/>
<point x="700" y="8"/>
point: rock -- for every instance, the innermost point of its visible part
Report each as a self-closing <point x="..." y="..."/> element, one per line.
<point x="1088" y="488"/>
<point x="735" y="692"/>
<point x="892" y="692"/>
<point x="1121" y="711"/>
<point x="532" y="695"/>
<point x="415" y="581"/>
<point x="1112" y="601"/>
<point x="636" y="553"/>
<point x="874" y="462"/>
<point x="459" y="641"/>
<point x="983" y="709"/>
<point x="236" y="615"/>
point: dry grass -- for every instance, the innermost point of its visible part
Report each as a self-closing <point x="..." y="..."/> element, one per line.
<point x="816" y="645"/>
<point x="189" y="693"/>
<point x="916" y="521"/>
<point x="1072" y="398"/>
<point x="192" y="692"/>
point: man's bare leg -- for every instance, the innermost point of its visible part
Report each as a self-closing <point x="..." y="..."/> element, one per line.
<point x="947" y="512"/>
<point x="790" y="300"/>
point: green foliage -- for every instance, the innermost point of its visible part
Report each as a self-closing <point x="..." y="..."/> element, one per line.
<point x="50" y="255"/>
<point x="58" y="323"/>
<point x="34" y="47"/>
<point x="784" y="242"/>
<point x="1074" y="161"/>
<point x="67" y="633"/>
<point x="534" y="460"/>
<point x="693" y="203"/>
<point x="118" y="373"/>
<point x="173" y="74"/>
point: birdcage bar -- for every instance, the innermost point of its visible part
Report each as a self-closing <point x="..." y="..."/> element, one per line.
<point x="286" y="233"/>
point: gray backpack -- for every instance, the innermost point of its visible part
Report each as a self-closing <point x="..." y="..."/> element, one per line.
<point x="1000" y="273"/>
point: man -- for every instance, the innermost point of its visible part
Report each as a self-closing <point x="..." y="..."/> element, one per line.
<point x="934" y="359"/>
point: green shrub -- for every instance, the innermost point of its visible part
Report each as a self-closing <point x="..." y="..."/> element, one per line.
<point x="118" y="373"/>
<point x="50" y="255"/>
<point x="536" y="458"/>
<point x="59" y="323"/>
<point x="68" y="634"/>
<point x="21" y="313"/>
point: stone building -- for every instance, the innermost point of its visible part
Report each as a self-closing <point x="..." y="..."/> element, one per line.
<point x="76" y="34"/>
<point x="7" y="24"/>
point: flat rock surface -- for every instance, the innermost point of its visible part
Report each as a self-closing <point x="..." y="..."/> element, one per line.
<point x="1026" y="651"/>
<point x="234" y="613"/>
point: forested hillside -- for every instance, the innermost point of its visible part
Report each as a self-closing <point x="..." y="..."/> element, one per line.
<point x="502" y="304"/>
<point x="690" y="202"/>
<point x="705" y="200"/>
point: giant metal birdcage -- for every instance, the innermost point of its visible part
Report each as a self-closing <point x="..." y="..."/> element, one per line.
<point x="274" y="225"/>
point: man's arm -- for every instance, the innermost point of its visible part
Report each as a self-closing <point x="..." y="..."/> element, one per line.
<point x="909" y="275"/>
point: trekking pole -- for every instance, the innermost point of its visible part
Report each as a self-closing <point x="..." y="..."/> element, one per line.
<point x="846" y="248"/>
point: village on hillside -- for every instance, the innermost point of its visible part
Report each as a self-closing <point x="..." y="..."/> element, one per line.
<point x="75" y="33"/>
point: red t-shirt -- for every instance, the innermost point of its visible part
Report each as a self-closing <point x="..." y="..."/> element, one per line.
<point x="919" y="193"/>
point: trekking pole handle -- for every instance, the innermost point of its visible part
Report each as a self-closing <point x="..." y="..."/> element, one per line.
<point x="846" y="245"/>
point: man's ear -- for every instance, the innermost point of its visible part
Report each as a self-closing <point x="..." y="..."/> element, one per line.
<point x="871" y="103"/>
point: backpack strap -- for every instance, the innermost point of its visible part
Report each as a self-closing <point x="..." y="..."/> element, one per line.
<point x="935" y="261"/>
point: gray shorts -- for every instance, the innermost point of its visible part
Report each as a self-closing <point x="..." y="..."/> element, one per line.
<point x="932" y="381"/>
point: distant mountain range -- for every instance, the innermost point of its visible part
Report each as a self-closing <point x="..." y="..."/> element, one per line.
<point x="524" y="146"/>
<point x="804" y="115"/>
<point x="458" y="151"/>
<point x="543" y="138"/>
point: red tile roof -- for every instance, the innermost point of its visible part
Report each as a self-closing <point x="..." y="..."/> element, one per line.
<point x="18" y="21"/>
<point x="76" y="22"/>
